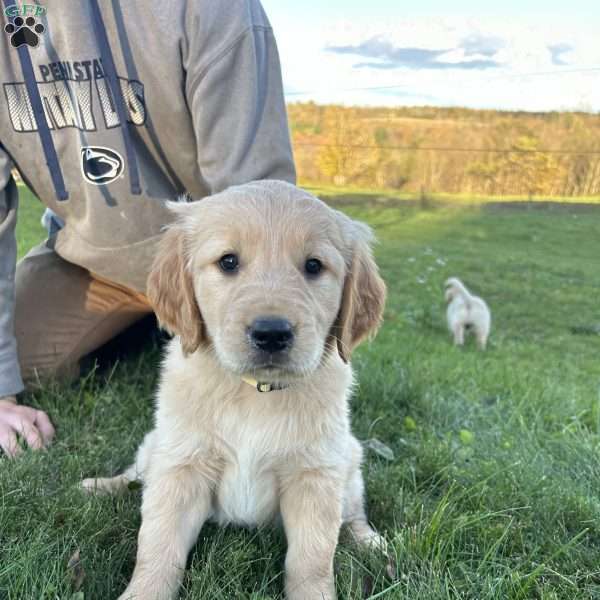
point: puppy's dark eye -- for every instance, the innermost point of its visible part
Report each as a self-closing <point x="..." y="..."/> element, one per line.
<point x="313" y="266"/>
<point x="229" y="263"/>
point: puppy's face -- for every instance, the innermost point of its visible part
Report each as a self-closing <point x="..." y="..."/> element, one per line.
<point x="268" y="278"/>
<point x="268" y="269"/>
<point x="452" y="289"/>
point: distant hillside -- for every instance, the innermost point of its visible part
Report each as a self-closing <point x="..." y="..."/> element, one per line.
<point x="453" y="150"/>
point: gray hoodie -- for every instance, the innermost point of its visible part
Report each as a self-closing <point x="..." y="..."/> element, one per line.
<point x="121" y="106"/>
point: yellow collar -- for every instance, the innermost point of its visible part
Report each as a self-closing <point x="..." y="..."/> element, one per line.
<point x="263" y="387"/>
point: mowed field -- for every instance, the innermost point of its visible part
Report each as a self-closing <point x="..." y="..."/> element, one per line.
<point x="492" y="488"/>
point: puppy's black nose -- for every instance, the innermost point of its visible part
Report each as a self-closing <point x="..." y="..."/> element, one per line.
<point x="271" y="334"/>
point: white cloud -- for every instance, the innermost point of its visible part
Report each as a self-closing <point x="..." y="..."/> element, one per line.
<point x="519" y="66"/>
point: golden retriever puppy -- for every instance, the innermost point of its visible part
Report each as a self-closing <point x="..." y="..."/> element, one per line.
<point x="466" y="312"/>
<point x="268" y="291"/>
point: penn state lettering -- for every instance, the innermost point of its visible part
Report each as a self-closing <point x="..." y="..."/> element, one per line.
<point x="70" y="91"/>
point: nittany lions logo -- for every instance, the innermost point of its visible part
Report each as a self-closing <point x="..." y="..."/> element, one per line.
<point x="100" y="165"/>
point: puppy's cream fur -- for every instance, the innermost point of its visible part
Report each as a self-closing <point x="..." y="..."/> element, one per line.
<point x="465" y="312"/>
<point x="221" y="450"/>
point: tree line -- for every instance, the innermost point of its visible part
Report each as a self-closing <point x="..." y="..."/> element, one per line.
<point x="448" y="150"/>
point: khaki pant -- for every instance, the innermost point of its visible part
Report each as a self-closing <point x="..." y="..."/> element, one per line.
<point x="63" y="313"/>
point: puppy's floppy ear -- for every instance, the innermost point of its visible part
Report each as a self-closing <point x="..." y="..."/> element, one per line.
<point x="363" y="296"/>
<point x="170" y="290"/>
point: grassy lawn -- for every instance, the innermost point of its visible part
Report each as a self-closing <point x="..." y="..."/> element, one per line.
<point x="463" y="200"/>
<point x="494" y="488"/>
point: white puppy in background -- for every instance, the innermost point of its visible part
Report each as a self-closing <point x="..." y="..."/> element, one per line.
<point x="466" y="312"/>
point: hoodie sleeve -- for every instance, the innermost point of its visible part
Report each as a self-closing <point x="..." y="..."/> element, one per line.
<point x="10" y="377"/>
<point x="235" y="92"/>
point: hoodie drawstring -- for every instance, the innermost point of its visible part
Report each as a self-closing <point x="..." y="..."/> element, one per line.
<point x="110" y="73"/>
<point x="37" y="106"/>
<point x="40" y="118"/>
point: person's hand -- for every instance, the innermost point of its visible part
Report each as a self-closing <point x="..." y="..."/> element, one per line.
<point x="32" y="425"/>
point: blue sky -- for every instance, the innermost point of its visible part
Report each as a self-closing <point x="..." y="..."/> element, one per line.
<point x="530" y="55"/>
<point x="581" y="9"/>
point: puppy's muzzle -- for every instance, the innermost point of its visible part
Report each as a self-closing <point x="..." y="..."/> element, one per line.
<point x="271" y="334"/>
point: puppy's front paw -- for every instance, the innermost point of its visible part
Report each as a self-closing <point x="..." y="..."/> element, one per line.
<point x="147" y="592"/>
<point x="104" y="485"/>
<point x="94" y="485"/>
<point x="89" y="486"/>
<point x="135" y="592"/>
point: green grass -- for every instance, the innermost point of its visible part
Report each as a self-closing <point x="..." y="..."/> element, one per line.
<point x="494" y="491"/>
<point x="385" y="195"/>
